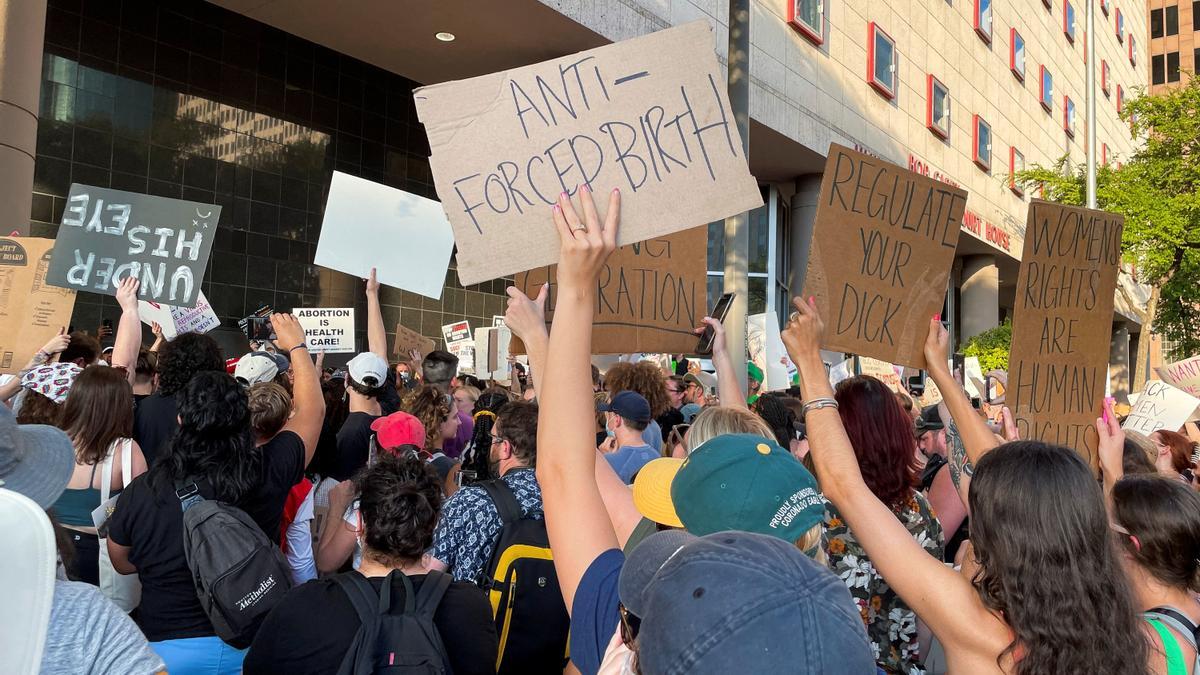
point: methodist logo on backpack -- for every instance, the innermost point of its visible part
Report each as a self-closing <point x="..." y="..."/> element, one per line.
<point x="240" y="575"/>
<point x="522" y="585"/>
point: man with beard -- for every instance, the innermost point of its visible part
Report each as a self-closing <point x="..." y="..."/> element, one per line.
<point x="470" y="524"/>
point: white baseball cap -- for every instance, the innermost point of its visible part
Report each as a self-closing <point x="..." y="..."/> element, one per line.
<point x="257" y="367"/>
<point x="368" y="364"/>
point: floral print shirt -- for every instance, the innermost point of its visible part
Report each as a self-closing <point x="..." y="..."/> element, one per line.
<point x="891" y="625"/>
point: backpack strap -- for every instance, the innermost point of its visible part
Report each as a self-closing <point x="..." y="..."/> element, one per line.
<point x="188" y="492"/>
<point x="431" y="593"/>
<point x="504" y="499"/>
<point x="1176" y="619"/>
<point x="1171" y="650"/>
<point x="358" y="658"/>
<point x="358" y="590"/>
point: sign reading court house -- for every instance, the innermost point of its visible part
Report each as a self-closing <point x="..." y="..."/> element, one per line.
<point x="107" y="235"/>
<point x="649" y="116"/>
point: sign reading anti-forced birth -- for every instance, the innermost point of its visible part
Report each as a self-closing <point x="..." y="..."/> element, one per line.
<point x="648" y="116"/>
<point x="107" y="235"/>
<point x="327" y="330"/>
<point x="1160" y="406"/>
<point x="1062" y="322"/>
<point x="882" y="246"/>
<point x="31" y="311"/>
<point x="650" y="297"/>
<point x="1183" y="374"/>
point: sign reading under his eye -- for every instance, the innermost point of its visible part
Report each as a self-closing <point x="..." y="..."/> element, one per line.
<point x="107" y="235"/>
<point x="1062" y="323"/>
<point x="882" y="247"/>
<point x="649" y="116"/>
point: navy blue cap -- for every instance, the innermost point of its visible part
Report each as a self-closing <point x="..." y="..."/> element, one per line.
<point x="630" y="405"/>
<point x="739" y="602"/>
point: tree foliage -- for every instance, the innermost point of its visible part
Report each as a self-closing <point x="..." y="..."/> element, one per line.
<point x="1157" y="191"/>
<point x="991" y="347"/>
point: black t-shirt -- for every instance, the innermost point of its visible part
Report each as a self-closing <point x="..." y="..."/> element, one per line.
<point x="155" y="420"/>
<point x="149" y="520"/>
<point x="668" y="420"/>
<point x="314" y="626"/>
<point x="353" y="445"/>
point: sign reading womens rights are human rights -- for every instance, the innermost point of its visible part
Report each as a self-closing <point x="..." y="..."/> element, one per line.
<point x="649" y="116"/>
<point x="1062" y="320"/>
<point x="882" y="246"/>
<point x="107" y="235"/>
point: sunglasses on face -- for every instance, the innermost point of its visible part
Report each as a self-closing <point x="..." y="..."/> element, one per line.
<point x="630" y="625"/>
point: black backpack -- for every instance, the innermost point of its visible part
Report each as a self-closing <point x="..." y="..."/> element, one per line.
<point x="239" y="574"/>
<point x="531" y="618"/>
<point x="395" y="641"/>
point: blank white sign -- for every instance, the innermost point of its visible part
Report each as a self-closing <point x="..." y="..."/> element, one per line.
<point x="406" y="238"/>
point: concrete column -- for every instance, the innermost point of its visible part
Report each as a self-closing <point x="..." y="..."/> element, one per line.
<point x="22" y="31"/>
<point x="979" y="295"/>
<point x="1118" y="362"/>
<point x="803" y="213"/>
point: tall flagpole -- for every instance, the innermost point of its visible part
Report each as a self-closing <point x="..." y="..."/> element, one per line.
<point x="1091" y="102"/>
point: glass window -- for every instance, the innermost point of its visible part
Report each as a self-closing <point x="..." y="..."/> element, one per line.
<point x="1069" y="20"/>
<point x="983" y="19"/>
<point x="1120" y="26"/>
<point x="1120" y="99"/>
<point x="1132" y="51"/>
<point x="881" y="61"/>
<point x="1104" y="154"/>
<point x="1158" y="69"/>
<point x="1196" y="17"/>
<point x="807" y="17"/>
<point x="1047" y="89"/>
<point x="1196" y="61"/>
<point x="1171" y="19"/>
<point x="1104" y="7"/>
<point x="1104" y="77"/>
<point x="937" y="107"/>
<point x="1156" y="23"/>
<point x="1016" y="54"/>
<point x="1016" y="164"/>
<point x="981" y="148"/>
<point x="1173" y="67"/>
<point x="1068" y="116"/>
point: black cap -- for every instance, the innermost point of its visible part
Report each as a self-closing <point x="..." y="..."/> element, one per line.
<point x="930" y="419"/>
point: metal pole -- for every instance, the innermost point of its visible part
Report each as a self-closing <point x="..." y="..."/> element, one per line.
<point x="1091" y="102"/>
<point x="737" y="227"/>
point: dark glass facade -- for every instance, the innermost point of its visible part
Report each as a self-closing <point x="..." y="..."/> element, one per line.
<point x="185" y="99"/>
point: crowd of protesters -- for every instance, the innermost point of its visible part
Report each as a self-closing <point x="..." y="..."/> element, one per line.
<point x="412" y="518"/>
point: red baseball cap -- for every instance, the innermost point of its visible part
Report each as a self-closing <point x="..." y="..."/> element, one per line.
<point x="398" y="429"/>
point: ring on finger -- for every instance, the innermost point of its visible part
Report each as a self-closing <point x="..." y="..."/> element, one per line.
<point x="795" y="316"/>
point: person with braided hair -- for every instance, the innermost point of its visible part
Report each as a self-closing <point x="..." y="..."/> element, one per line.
<point x="475" y="456"/>
<point x="779" y="417"/>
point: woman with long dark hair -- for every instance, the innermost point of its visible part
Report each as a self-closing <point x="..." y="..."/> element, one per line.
<point x="214" y="449"/>
<point x="1038" y="526"/>
<point x="98" y="417"/>
<point x="881" y="435"/>
<point x="475" y="457"/>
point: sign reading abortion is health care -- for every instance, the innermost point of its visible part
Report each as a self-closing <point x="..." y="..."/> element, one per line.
<point x="327" y="330"/>
<point x="107" y="235"/>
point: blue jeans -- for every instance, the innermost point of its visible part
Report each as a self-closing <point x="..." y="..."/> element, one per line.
<point x="199" y="656"/>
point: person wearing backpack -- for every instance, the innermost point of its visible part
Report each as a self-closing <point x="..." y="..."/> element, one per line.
<point x="393" y="614"/>
<point x="493" y="534"/>
<point x="201" y="527"/>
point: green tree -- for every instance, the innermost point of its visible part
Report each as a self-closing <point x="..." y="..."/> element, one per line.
<point x="1156" y="191"/>
<point x="991" y="347"/>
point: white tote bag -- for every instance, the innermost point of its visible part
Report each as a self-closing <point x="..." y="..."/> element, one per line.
<point x="125" y="590"/>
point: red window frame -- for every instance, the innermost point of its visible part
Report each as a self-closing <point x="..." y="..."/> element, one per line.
<point x="1120" y="99"/>
<point x="1104" y="7"/>
<point x="1104" y="154"/>
<point x="931" y="123"/>
<point x="1071" y="32"/>
<point x="1068" y="123"/>
<point x="1119" y="25"/>
<point x="984" y="34"/>
<point x="1012" y="171"/>
<point x="976" y="121"/>
<point x="882" y="88"/>
<point x="1013" y="34"/>
<point x="1132" y="59"/>
<point x="1104" y="76"/>
<point x="800" y="26"/>
<point x="1046" y="101"/>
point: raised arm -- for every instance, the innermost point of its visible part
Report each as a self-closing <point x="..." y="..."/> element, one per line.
<point x="977" y="438"/>
<point x="576" y="520"/>
<point x="307" y="400"/>
<point x="158" y="337"/>
<point x="55" y="346"/>
<point x="943" y="599"/>
<point x="1112" y="450"/>
<point x="527" y="320"/>
<point x="129" y="329"/>
<point x="727" y="385"/>
<point x="376" y="332"/>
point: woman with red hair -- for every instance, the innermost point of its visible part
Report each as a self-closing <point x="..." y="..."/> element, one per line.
<point x="882" y="436"/>
<point x="1174" y="454"/>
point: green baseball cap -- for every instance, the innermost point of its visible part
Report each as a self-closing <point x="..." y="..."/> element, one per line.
<point x="746" y="482"/>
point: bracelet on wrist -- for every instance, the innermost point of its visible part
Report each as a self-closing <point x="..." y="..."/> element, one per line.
<point x="817" y="404"/>
<point x="302" y="345"/>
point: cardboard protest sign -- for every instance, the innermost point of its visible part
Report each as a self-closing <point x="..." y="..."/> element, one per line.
<point x="1183" y="374"/>
<point x="31" y="311"/>
<point x="107" y="235"/>
<point x="465" y="351"/>
<point x="882" y="246"/>
<point x="367" y="225"/>
<point x="327" y="330"/>
<point x="650" y="296"/>
<point x="973" y="377"/>
<point x="408" y="339"/>
<point x="491" y="352"/>
<point x="882" y="371"/>
<point x="457" y="332"/>
<point x="649" y="116"/>
<point x="766" y="350"/>
<point x="176" y="320"/>
<point x="1062" y="323"/>
<point x="1160" y="406"/>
